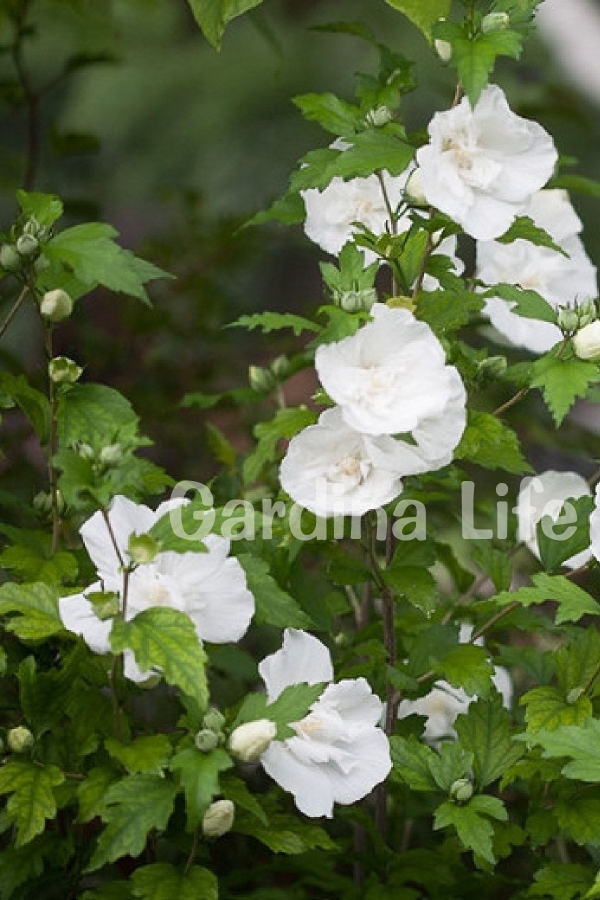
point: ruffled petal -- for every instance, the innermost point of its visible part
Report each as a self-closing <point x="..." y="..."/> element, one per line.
<point x="78" y="616"/>
<point x="302" y="658"/>
<point x="310" y="786"/>
<point x="372" y="765"/>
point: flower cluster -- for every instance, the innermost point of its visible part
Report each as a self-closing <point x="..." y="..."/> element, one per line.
<point x="400" y="411"/>
<point x="208" y="587"/>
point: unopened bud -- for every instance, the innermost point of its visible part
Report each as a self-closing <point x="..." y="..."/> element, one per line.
<point x="56" y="305"/>
<point x="20" y="739"/>
<point x="443" y="49"/>
<point x="218" y="818"/>
<point x="280" y="366"/>
<point x="213" y="719"/>
<point x="206" y="740"/>
<point x="461" y="790"/>
<point x="357" y="301"/>
<point x="587" y="312"/>
<point x="493" y="366"/>
<point x="379" y="117"/>
<point x="42" y="503"/>
<point x="111" y="454"/>
<point x="249" y="741"/>
<point x="495" y="21"/>
<point x="104" y="603"/>
<point x="568" y="319"/>
<point x="9" y="258"/>
<point x="261" y="380"/>
<point x="142" y="548"/>
<point x="85" y="451"/>
<point x="63" y="370"/>
<point x="586" y="342"/>
<point x="414" y="189"/>
<point x="27" y="245"/>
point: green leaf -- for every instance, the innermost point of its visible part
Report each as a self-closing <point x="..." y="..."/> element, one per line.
<point x="416" y="585"/>
<point x="165" y="639"/>
<point x="579" y="817"/>
<point x="92" y="791"/>
<point x="133" y="807"/>
<point x="332" y="113"/>
<point x="274" y="321"/>
<point x="284" y="833"/>
<point x="526" y="303"/>
<point x="288" y="210"/>
<point x="468" y="667"/>
<point x="213" y="15"/>
<point x="449" y="764"/>
<point x="30" y="557"/>
<point x="547" y="708"/>
<point x="235" y="789"/>
<point x="525" y="229"/>
<point x="411" y="760"/>
<point x="292" y="705"/>
<point x="493" y="563"/>
<point x="578" y="183"/>
<point x="286" y="423"/>
<point x="33" y="404"/>
<point x="447" y="311"/>
<point x="145" y="754"/>
<point x="162" y="881"/>
<point x="472" y="824"/>
<point x="554" y="551"/>
<point x="199" y="776"/>
<point x="32" y="800"/>
<point x="95" y="414"/>
<point x="484" y="730"/>
<point x="46" y="209"/>
<point x="423" y="13"/>
<point x="573" y="601"/>
<point x="274" y="606"/>
<point x="37" y="608"/>
<point x="475" y="57"/>
<point x="579" y="743"/>
<point x="562" y="881"/>
<point x="562" y="381"/>
<point x="490" y="443"/>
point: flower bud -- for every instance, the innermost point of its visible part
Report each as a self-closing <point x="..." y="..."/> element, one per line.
<point x="9" y="258"/>
<point x="261" y="380"/>
<point x="493" y="366"/>
<point x="27" y="245"/>
<point x="56" y="305"/>
<point x="104" y="603"/>
<point x="85" y="451"/>
<point x="568" y="319"/>
<point x="111" y="454"/>
<point x="357" y="301"/>
<point x="414" y="189"/>
<point x="379" y="117"/>
<point x="142" y="548"/>
<point x="63" y="370"/>
<point x="587" y="312"/>
<point x="218" y="818"/>
<point x="461" y="790"/>
<point x="495" y="21"/>
<point x="42" y="503"/>
<point x="280" y="366"/>
<point x="20" y="739"/>
<point x="249" y="741"/>
<point x="586" y="342"/>
<point x="443" y="49"/>
<point x="206" y="740"/>
<point x="213" y="719"/>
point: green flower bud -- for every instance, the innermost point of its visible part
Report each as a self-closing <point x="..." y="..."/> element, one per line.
<point x="379" y="117"/>
<point x="85" y="451"/>
<point x="495" y="21"/>
<point x="218" y="818"/>
<point x="493" y="366"/>
<point x="206" y="740"/>
<point x="568" y="319"/>
<point x="111" y="454"/>
<point x="20" y="739"/>
<point x="261" y="380"/>
<point x="42" y="503"/>
<point x="142" y="549"/>
<point x="357" y="301"/>
<point x="105" y="604"/>
<point x="9" y="258"/>
<point x="56" y="305"/>
<point x="27" y="245"/>
<point x="461" y="790"/>
<point x="414" y="189"/>
<point x="280" y="366"/>
<point x="213" y="719"/>
<point x="587" y="312"/>
<point x="41" y="264"/>
<point x="63" y="370"/>
<point x="249" y="741"/>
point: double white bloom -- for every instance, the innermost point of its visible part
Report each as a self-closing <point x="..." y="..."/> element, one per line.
<point x="560" y="280"/>
<point x="482" y="165"/>
<point x="401" y="411"/>
<point x="208" y="587"/>
<point x="338" y="754"/>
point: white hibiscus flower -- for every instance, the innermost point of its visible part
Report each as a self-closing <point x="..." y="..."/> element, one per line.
<point x="561" y="280"/>
<point x="595" y="527"/>
<point x="444" y="703"/>
<point x="482" y="165"/>
<point x="209" y="587"/>
<point x="390" y="377"/>
<point x="334" y="470"/>
<point x="544" y="495"/>
<point x="338" y="754"/>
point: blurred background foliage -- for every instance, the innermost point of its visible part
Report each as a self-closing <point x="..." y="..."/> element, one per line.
<point x="139" y="122"/>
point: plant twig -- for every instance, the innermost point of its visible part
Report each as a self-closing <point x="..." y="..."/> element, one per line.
<point x="14" y="309"/>
<point x="193" y="851"/>
<point x="512" y="402"/>
<point x="32" y="98"/>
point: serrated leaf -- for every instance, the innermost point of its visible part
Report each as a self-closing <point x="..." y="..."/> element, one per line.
<point x="32" y="800"/>
<point x="31" y="402"/>
<point x="288" y="210"/>
<point x="484" y="730"/>
<point x="285" y="424"/>
<point x="468" y="667"/>
<point x="92" y="791"/>
<point x="274" y="321"/>
<point x="422" y="14"/>
<point x="573" y="537"/>
<point x="524" y="229"/>
<point x="162" y="881"/>
<point x="46" y="209"/>
<point x="165" y="639"/>
<point x="213" y="15"/>
<point x="292" y="705"/>
<point x="573" y="601"/>
<point x="562" y="381"/>
<point x="133" y="807"/>
<point x="235" y="789"/>
<point x="547" y="708"/>
<point x="145" y="754"/>
<point x="490" y="443"/>
<point x="577" y="742"/>
<point x="579" y="817"/>
<point x="447" y="311"/>
<point x="36" y="606"/>
<point x="449" y="764"/>
<point x="411" y="761"/>
<point x="95" y="414"/>
<point x="472" y="824"/>
<point x="199" y="776"/>
<point x="526" y="303"/>
<point x="331" y="112"/>
<point x="417" y="585"/>
<point x="274" y="606"/>
<point x="562" y="881"/>
<point x="475" y="57"/>
<point x="284" y="834"/>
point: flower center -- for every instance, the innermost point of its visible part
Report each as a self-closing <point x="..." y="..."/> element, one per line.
<point x="350" y="471"/>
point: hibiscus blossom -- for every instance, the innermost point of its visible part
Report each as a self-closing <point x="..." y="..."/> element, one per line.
<point x="482" y="165"/>
<point x="544" y="495"/>
<point x="338" y="754"/>
<point x="561" y="280"/>
<point x="209" y="587"/>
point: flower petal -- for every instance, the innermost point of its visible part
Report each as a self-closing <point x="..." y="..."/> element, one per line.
<point x="78" y="616"/>
<point x="310" y="787"/>
<point x="302" y="658"/>
<point x="125" y="517"/>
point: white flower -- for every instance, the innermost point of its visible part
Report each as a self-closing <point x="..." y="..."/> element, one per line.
<point x="249" y="741"/>
<point x="391" y="377"/>
<point x="482" y="165"/>
<point x="595" y="526"/>
<point x="444" y="703"/>
<point x="338" y="754"/>
<point x="587" y="342"/>
<point x="544" y="495"/>
<point x="558" y="279"/>
<point x="333" y="470"/>
<point x="209" y="587"/>
<point x="218" y="818"/>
